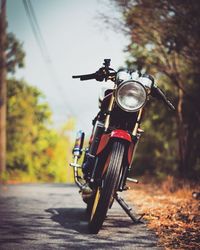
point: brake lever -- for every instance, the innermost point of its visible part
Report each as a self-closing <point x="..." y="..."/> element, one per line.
<point x="100" y="74"/>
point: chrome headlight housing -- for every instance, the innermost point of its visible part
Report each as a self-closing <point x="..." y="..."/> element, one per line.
<point x="131" y="96"/>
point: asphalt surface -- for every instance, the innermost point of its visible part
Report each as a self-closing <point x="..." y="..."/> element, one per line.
<point x="52" y="216"/>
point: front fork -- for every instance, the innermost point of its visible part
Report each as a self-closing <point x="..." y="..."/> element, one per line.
<point x="98" y="131"/>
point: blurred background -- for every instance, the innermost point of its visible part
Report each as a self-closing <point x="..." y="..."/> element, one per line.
<point x="44" y="43"/>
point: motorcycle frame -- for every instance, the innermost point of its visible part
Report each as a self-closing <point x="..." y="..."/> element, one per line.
<point x="107" y="128"/>
<point x="101" y="138"/>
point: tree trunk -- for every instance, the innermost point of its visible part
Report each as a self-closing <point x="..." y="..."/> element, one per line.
<point x="3" y="87"/>
<point x="182" y="138"/>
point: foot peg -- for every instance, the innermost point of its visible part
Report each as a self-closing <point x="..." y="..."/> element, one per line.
<point x="75" y="165"/>
<point x="132" y="180"/>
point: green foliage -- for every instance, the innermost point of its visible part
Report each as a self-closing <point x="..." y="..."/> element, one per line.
<point x="35" y="151"/>
<point x="165" y="42"/>
<point x="14" y="53"/>
<point x="158" y="149"/>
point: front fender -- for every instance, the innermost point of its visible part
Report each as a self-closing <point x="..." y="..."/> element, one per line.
<point x="118" y="133"/>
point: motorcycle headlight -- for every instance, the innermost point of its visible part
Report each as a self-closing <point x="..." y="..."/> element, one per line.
<point x="131" y="96"/>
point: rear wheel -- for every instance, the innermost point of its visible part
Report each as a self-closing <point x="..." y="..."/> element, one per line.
<point x="105" y="194"/>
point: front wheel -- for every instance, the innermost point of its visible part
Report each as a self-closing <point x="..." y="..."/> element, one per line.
<point x="105" y="194"/>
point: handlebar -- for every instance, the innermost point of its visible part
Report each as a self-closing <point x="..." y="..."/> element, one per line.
<point x="104" y="73"/>
<point x="85" y="77"/>
<point x="99" y="76"/>
<point x="159" y="94"/>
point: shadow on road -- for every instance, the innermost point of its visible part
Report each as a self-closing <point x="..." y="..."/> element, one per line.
<point x="70" y="218"/>
<point x="29" y="221"/>
<point x="118" y="231"/>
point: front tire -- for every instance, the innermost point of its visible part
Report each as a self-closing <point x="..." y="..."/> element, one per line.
<point x="105" y="194"/>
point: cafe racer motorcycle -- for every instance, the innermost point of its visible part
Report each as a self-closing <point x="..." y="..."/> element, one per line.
<point x="116" y="131"/>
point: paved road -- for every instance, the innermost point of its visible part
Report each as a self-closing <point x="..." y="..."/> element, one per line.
<point x="52" y="216"/>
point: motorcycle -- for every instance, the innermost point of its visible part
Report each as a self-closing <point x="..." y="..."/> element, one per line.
<point x="116" y="131"/>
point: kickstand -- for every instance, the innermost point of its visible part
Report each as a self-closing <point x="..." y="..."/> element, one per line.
<point x="127" y="209"/>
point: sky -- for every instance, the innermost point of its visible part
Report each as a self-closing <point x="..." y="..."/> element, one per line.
<point x="77" y="41"/>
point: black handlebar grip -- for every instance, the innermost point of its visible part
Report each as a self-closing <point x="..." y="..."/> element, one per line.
<point x="85" y="77"/>
<point x="76" y="76"/>
<point x="88" y="77"/>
